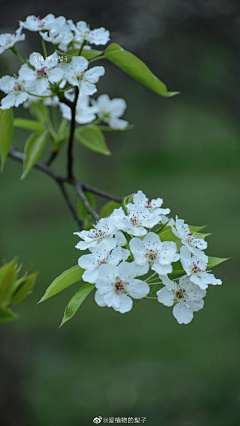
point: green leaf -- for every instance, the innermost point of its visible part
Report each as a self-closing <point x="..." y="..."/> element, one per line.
<point x="168" y="235"/>
<point x="92" y="138"/>
<point x="136" y="69"/>
<point x="197" y="228"/>
<point x="7" y="315"/>
<point x="66" y="279"/>
<point x="7" y="278"/>
<point x="108" y="208"/>
<point x="81" y="209"/>
<point x="33" y="125"/>
<point x="39" y="111"/>
<point x="6" y="133"/>
<point x="214" y="261"/>
<point x="22" y="288"/>
<point x="32" y="150"/>
<point x="128" y="199"/>
<point x="86" y="53"/>
<point x="76" y="301"/>
<point x="177" y="268"/>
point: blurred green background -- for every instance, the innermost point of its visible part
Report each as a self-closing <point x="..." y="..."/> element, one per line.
<point x="185" y="150"/>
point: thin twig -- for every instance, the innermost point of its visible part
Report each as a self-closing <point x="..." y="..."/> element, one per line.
<point x="16" y="155"/>
<point x="71" y="137"/>
<point x="61" y="179"/>
<point x="52" y="157"/>
<point x="71" y="205"/>
<point x="101" y="193"/>
<point x="80" y="193"/>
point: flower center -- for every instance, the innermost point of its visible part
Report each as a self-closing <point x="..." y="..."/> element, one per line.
<point x="42" y="72"/>
<point x="134" y="220"/>
<point x="148" y="205"/>
<point x="17" y="87"/>
<point x="151" y="255"/>
<point x="119" y="286"/>
<point x="195" y="268"/>
<point x="80" y="76"/>
<point x="99" y="234"/>
<point x="180" y="293"/>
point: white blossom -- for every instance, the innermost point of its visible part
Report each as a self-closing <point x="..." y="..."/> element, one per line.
<point x="105" y="252"/>
<point x="117" y="285"/>
<point x="34" y="23"/>
<point x="59" y="34"/>
<point x="153" y="206"/>
<point x="8" y="40"/>
<point x="188" y="238"/>
<point x="109" y="110"/>
<point x="104" y="228"/>
<point x="135" y="222"/>
<point x="184" y="295"/>
<point x="45" y="71"/>
<point x="151" y="252"/>
<point x="76" y="74"/>
<point x="195" y="268"/>
<point x="15" y="90"/>
<point x="99" y="36"/>
<point x="84" y="113"/>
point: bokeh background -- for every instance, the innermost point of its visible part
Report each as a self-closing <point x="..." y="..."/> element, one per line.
<point x="186" y="150"/>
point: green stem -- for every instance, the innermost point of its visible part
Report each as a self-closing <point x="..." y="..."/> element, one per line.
<point x="151" y="277"/>
<point x="14" y="50"/>
<point x="54" y="117"/>
<point x="81" y="48"/>
<point x="156" y="283"/>
<point x="44" y="48"/>
<point x="96" y="58"/>
<point x="153" y="298"/>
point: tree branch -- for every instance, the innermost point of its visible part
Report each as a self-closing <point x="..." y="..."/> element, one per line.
<point x="72" y="106"/>
<point x="101" y="193"/>
<point x="71" y="205"/>
<point x="80" y="193"/>
<point x="79" y="187"/>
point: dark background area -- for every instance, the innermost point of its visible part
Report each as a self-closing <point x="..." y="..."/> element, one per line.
<point x="186" y="150"/>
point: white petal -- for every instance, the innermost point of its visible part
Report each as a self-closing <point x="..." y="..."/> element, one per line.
<point x="165" y="296"/>
<point x="138" y="289"/>
<point x="183" y="313"/>
<point x="99" y="299"/>
<point x="126" y="304"/>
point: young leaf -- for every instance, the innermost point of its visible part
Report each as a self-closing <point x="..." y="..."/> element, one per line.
<point x="76" y="301"/>
<point x="23" y="288"/>
<point x="67" y="278"/>
<point x="136" y="69"/>
<point x="39" y="111"/>
<point x="128" y="199"/>
<point x="6" y="133"/>
<point x="91" y="137"/>
<point x="32" y="150"/>
<point x="108" y="208"/>
<point x="7" y="278"/>
<point x="33" y="125"/>
<point x="7" y="315"/>
<point x="87" y="53"/>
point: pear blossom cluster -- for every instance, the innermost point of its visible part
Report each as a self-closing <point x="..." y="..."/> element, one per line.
<point x="54" y="77"/>
<point x="139" y="252"/>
